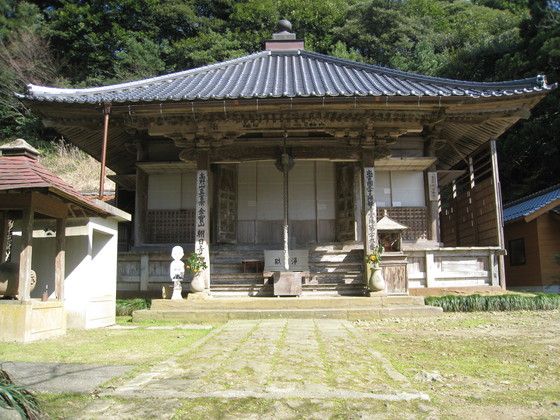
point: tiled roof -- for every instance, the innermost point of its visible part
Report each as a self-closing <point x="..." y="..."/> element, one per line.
<point x="284" y="74"/>
<point x="23" y="173"/>
<point x="530" y="204"/>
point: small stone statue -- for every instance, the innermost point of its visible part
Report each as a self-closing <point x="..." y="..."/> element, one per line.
<point x="177" y="272"/>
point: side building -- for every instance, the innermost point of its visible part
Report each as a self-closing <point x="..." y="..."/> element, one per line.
<point x="532" y="233"/>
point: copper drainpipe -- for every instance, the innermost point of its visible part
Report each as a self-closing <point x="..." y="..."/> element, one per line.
<point x="106" y="112"/>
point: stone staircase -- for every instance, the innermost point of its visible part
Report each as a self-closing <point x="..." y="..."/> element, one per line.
<point x="335" y="269"/>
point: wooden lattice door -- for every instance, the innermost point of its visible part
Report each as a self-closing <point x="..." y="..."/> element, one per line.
<point x="345" y="215"/>
<point x="226" y="204"/>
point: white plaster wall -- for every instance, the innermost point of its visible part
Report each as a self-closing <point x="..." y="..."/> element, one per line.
<point x="261" y="191"/>
<point x="408" y="188"/>
<point x="383" y="196"/>
<point x="78" y="273"/>
<point x="270" y="192"/>
<point x="325" y="190"/>
<point x="302" y="202"/>
<point x="171" y="191"/>
<point x="399" y="188"/>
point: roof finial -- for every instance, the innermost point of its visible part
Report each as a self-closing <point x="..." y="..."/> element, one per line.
<point x="284" y="39"/>
<point x="284" y="25"/>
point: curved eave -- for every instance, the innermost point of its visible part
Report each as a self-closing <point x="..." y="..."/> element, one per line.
<point x="275" y="75"/>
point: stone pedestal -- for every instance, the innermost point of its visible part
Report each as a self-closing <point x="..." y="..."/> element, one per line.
<point x="177" y="290"/>
<point x="287" y="283"/>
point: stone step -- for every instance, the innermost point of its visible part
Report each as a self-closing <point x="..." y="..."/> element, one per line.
<point x="308" y="302"/>
<point x="224" y="309"/>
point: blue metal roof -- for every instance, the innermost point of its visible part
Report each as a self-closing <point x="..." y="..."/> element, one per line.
<point x="284" y="74"/>
<point x="528" y="205"/>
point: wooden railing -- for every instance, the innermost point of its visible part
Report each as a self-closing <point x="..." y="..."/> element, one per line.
<point x="454" y="267"/>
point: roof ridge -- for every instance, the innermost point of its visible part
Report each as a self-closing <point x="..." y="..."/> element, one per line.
<point x="531" y="196"/>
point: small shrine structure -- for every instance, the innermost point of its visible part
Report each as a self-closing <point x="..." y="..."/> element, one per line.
<point x="68" y="241"/>
<point x="199" y="157"/>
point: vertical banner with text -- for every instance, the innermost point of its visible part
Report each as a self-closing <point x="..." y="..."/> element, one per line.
<point x="370" y="210"/>
<point x="202" y="223"/>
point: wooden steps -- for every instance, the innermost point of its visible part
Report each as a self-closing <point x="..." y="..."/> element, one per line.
<point x="335" y="270"/>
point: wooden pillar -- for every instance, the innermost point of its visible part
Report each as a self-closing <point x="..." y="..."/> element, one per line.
<point x="499" y="211"/>
<point x="25" y="255"/>
<point x="60" y="259"/>
<point x="141" y="207"/>
<point x="4" y="231"/>
<point x="432" y="194"/>
<point x="141" y="196"/>
<point x="202" y="223"/>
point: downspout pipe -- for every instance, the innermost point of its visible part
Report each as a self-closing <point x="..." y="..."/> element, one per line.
<point x="106" y="113"/>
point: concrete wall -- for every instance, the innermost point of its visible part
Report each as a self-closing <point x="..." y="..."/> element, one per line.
<point x="25" y="322"/>
<point x="90" y="269"/>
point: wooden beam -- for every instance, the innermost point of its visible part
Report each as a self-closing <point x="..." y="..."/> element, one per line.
<point x="40" y="203"/>
<point x="25" y="255"/>
<point x="499" y="210"/>
<point x="59" y="262"/>
<point x="4" y="230"/>
<point x="141" y="207"/>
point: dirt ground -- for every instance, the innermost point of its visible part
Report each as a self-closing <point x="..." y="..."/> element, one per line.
<point x="478" y="365"/>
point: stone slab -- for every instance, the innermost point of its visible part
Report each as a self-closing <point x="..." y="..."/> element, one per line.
<point x="62" y="377"/>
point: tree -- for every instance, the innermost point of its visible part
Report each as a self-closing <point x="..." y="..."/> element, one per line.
<point x="25" y="57"/>
<point x="530" y="152"/>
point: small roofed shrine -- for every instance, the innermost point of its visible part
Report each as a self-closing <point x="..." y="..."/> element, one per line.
<point x="299" y="153"/>
<point x="57" y="251"/>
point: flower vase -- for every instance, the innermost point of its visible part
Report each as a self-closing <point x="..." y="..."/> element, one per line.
<point x="197" y="284"/>
<point x="376" y="281"/>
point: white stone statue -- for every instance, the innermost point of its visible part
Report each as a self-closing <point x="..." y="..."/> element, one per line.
<point x="177" y="272"/>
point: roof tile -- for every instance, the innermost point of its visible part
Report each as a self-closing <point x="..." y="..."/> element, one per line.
<point x="528" y="205"/>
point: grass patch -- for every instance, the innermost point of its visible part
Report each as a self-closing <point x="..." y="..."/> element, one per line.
<point x="63" y="406"/>
<point x="478" y="303"/>
<point x="105" y="346"/>
<point x="125" y="307"/>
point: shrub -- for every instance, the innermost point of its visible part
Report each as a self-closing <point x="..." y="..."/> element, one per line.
<point x="476" y="303"/>
<point x="18" y="398"/>
<point x="125" y="307"/>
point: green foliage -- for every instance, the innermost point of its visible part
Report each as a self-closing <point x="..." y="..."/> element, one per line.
<point x="476" y="303"/>
<point x="529" y="153"/>
<point x="374" y="257"/>
<point x="196" y="263"/>
<point x="125" y="307"/>
<point x="18" y="398"/>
